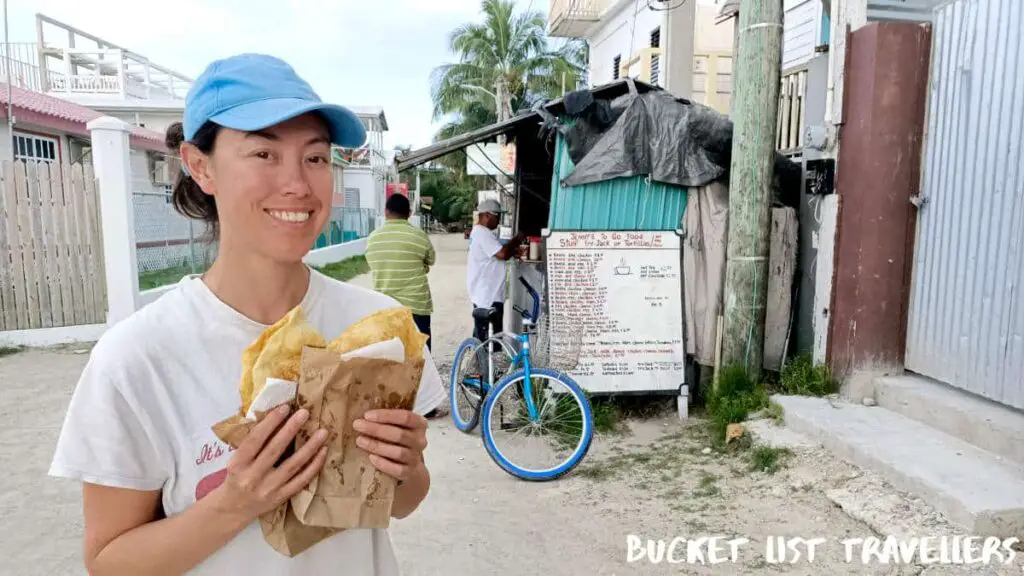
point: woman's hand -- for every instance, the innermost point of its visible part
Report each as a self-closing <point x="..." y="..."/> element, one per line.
<point x="253" y="484"/>
<point x="395" y="440"/>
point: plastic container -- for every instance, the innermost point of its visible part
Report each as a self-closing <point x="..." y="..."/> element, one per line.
<point x="535" y="248"/>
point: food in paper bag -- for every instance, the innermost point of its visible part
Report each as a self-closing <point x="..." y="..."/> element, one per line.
<point x="271" y="370"/>
<point x="349" y="492"/>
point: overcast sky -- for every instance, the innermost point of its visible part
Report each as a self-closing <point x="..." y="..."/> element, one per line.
<point x="356" y="52"/>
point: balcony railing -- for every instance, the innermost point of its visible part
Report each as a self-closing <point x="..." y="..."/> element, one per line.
<point x="572" y="18"/>
<point x="791" y="109"/>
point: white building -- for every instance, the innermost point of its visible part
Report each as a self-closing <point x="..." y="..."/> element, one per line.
<point x="366" y="170"/>
<point x="675" y="44"/>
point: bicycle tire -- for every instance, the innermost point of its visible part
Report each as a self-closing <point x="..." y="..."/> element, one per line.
<point x="565" y="467"/>
<point x="464" y="425"/>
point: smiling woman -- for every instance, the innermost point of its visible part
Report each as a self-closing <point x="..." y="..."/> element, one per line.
<point x="161" y="494"/>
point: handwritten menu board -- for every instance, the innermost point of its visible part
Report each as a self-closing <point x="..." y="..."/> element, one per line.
<point x="623" y="290"/>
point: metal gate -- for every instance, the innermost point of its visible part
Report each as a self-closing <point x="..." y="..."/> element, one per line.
<point x="966" y="320"/>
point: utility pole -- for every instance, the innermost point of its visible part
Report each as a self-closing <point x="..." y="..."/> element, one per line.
<point x="754" y="135"/>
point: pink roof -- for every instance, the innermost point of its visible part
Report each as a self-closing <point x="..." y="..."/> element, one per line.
<point x="58" y="114"/>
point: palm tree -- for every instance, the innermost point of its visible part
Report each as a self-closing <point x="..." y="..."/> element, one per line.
<point x="505" y="64"/>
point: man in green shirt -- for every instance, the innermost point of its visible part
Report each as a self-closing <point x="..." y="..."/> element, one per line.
<point x="400" y="255"/>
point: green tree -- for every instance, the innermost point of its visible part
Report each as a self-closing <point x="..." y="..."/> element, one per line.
<point x="504" y="63"/>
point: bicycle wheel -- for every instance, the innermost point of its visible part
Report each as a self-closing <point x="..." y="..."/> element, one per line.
<point x="468" y="380"/>
<point x="564" y="427"/>
<point x="466" y="390"/>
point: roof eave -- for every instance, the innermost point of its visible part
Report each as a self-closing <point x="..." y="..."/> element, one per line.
<point x="438" y="149"/>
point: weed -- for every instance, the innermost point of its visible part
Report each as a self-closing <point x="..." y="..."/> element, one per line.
<point x="346" y="269"/>
<point x="9" y="350"/>
<point x="697" y="526"/>
<point x="768" y="459"/>
<point x="595" y="472"/>
<point x="607" y="418"/>
<point x="775" y="412"/>
<point x="801" y="377"/>
<point x="735" y="397"/>
<point x="706" y="487"/>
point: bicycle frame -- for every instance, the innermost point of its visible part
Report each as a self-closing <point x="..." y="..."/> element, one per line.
<point x="521" y="358"/>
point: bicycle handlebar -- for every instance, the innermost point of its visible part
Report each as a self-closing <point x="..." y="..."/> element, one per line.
<point x="536" y="301"/>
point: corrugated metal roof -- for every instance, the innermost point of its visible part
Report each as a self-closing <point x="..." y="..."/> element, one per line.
<point x="633" y="203"/>
<point x="416" y="157"/>
<point x="61" y="109"/>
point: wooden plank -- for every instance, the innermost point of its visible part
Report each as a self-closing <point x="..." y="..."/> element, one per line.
<point x="61" y="261"/>
<point x="95" y="239"/>
<point x="8" y="230"/>
<point x="82" y="232"/>
<point x="7" y="321"/>
<point x="26" y="236"/>
<point x="781" y="274"/>
<point x="77" y="264"/>
<point x="48" y="252"/>
<point x="17" y="270"/>
<point x="38" y="243"/>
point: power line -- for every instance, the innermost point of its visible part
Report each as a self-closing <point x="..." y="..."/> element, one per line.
<point x="651" y="3"/>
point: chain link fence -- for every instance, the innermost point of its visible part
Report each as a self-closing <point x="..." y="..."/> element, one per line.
<point x="346" y="225"/>
<point x="168" y="246"/>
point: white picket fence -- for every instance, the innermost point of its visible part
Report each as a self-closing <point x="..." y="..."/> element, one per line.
<point x="51" y="256"/>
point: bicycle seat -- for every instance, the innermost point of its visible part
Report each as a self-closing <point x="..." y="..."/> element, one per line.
<point x="488" y="314"/>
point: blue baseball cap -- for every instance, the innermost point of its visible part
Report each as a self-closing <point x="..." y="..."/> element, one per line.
<point x="250" y="92"/>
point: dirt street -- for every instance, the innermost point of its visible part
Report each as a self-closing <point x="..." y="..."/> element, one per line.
<point x="655" y="481"/>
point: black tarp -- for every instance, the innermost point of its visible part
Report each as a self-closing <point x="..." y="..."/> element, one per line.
<point x="672" y="140"/>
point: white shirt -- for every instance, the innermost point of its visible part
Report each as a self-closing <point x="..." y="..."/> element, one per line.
<point x="485" y="274"/>
<point x="155" y="383"/>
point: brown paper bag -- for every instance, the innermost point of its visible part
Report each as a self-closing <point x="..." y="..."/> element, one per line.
<point x="349" y="492"/>
<point x="281" y="529"/>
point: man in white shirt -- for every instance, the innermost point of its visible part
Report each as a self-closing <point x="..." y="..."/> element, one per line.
<point x="485" y="269"/>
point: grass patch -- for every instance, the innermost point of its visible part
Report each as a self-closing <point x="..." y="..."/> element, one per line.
<point x="164" y="277"/>
<point x="768" y="459"/>
<point x="347" y="269"/>
<point x="607" y="417"/>
<point x="735" y="397"/>
<point x="706" y="486"/>
<point x="801" y="377"/>
<point x="775" y="412"/>
<point x="9" y="350"/>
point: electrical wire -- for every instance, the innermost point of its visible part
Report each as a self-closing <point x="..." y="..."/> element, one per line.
<point x="650" y="5"/>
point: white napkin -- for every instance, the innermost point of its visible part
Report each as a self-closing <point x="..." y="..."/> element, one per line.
<point x="277" y="392"/>
<point x="388" y="350"/>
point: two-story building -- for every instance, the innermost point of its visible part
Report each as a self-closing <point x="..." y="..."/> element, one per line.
<point x="76" y="70"/>
<point x="675" y="44"/>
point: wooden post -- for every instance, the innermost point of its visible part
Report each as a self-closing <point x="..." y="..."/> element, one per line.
<point x="753" y="152"/>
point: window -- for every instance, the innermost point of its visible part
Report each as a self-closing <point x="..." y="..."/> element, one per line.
<point x="169" y="193"/>
<point x="32" y="147"/>
<point x="656" y="38"/>
<point x="616" y="64"/>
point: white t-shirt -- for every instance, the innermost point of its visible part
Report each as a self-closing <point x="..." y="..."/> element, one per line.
<point x="155" y="383"/>
<point x="485" y="274"/>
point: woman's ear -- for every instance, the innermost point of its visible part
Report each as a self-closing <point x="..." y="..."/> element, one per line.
<point x="197" y="165"/>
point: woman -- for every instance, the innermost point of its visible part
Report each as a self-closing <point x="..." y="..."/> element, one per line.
<point x="161" y="495"/>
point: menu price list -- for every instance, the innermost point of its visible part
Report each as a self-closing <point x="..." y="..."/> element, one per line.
<point x="579" y="302"/>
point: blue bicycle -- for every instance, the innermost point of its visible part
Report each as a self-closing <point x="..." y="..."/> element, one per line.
<point x="540" y="407"/>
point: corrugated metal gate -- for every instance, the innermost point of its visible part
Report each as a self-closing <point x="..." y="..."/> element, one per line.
<point x="966" y="321"/>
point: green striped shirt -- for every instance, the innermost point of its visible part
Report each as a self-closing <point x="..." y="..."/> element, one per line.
<point x="400" y="256"/>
